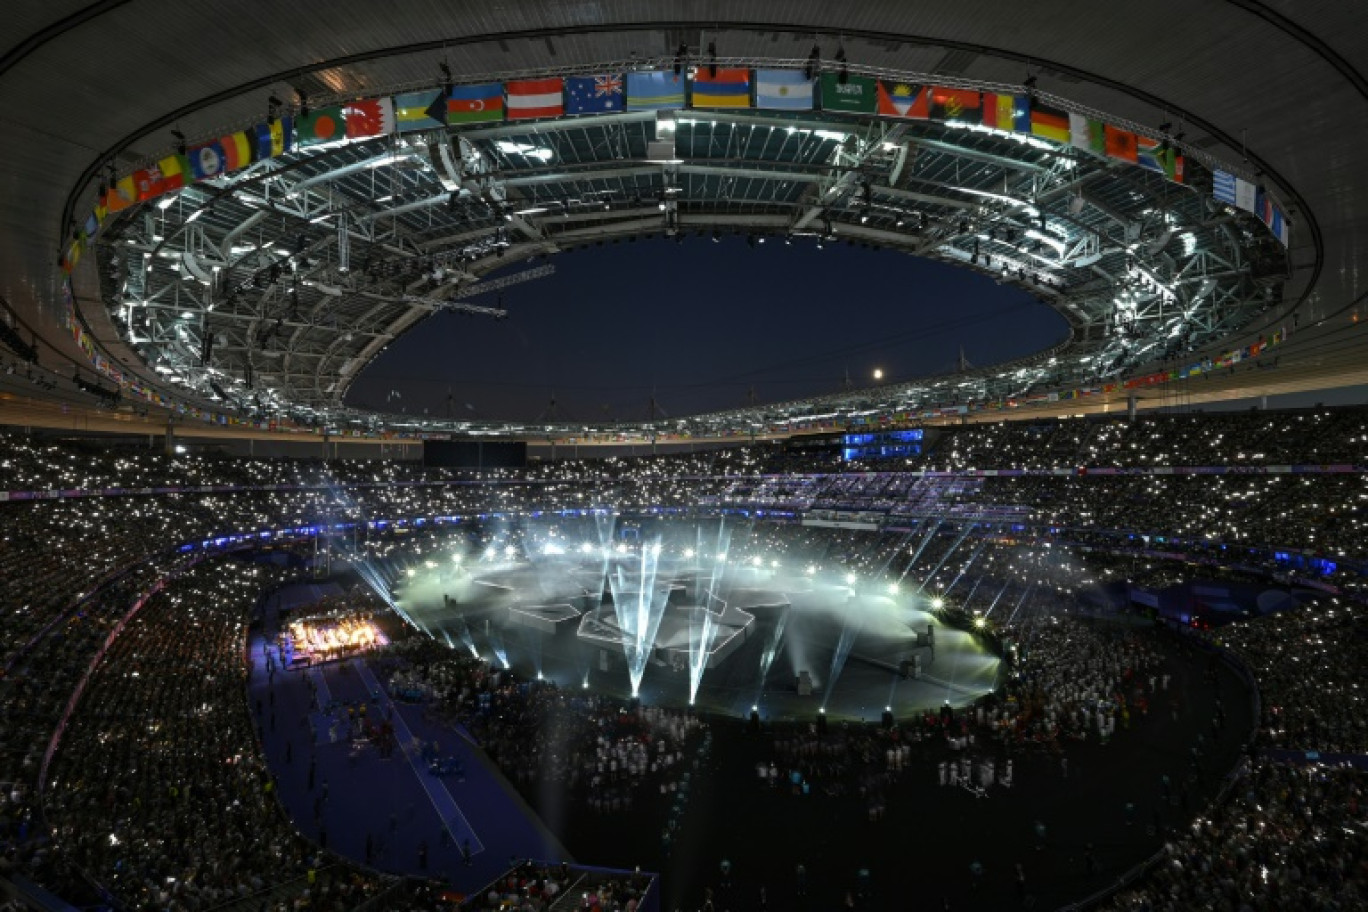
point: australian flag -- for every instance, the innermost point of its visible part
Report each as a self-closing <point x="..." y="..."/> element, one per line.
<point x="594" y="94"/>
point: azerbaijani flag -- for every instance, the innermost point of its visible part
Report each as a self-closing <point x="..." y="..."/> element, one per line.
<point x="481" y="103"/>
<point x="528" y="98"/>
<point x="729" y="87"/>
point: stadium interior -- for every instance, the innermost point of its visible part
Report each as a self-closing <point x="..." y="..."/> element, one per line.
<point x="296" y="615"/>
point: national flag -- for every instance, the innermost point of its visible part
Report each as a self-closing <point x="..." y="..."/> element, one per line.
<point x="237" y="150"/>
<point x="1159" y="155"/>
<point x="1087" y="134"/>
<point x="1049" y="123"/>
<point x="1122" y="144"/>
<point x="1280" y="227"/>
<point x="784" y="90"/>
<point x="902" y="99"/>
<point x="853" y="95"/>
<point x="1011" y="113"/>
<point x="122" y="195"/>
<point x="416" y="110"/>
<point x="529" y="98"/>
<point x="322" y="126"/>
<point x="481" y="103"/>
<point x="149" y="183"/>
<point x="654" y="90"/>
<point x="1223" y="186"/>
<point x="725" y="87"/>
<point x="369" y="117"/>
<point x="955" y="105"/>
<point x="594" y="94"/>
<point x="101" y="211"/>
<point x="275" y="138"/>
<point x="175" y="171"/>
<point x="207" y="160"/>
<point x="92" y="225"/>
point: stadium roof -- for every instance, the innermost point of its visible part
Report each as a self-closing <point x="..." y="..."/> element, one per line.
<point x="265" y="291"/>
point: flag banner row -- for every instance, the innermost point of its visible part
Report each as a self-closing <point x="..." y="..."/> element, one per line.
<point x="1242" y="194"/>
<point x="651" y="90"/>
<point x="704" y="87"/>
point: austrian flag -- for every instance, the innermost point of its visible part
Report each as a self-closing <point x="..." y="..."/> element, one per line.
<point x="528" y="98"/>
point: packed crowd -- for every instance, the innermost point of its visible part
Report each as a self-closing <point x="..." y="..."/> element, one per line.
<point x="53" y="552"/>
<point x="605" y="753"/>
<point x="1290" y="837"/>
<point x="159" y="792"/>
<point x="1309" y="663"/>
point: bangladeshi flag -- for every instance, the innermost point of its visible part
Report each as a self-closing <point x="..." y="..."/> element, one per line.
<point x="321" y="126"/>
<point x="903" y="99"/>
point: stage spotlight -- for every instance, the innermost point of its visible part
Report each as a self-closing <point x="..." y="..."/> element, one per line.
<point x="688" y="553"/>
<point x="412" y="573"/>
<point x="586" y="683"/>
<point x="754" y="720"/>
<point x="821" y="722"/>
<point x="887" y="718"/>
<point x="937" y="603"/>
<point x="850" y="579"/>
<point x="980" y="623"/>
<point x="539" y="676"/>
<point x="892" y="588"/>
<point x="811" y="569"/>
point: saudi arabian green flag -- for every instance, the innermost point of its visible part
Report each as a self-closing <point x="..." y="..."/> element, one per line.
<point x="857" y="95"/>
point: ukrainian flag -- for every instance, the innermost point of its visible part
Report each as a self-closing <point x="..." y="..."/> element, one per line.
<point x="723" y="88"/>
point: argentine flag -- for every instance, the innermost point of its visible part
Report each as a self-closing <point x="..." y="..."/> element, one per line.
<point x="783" y="90"/>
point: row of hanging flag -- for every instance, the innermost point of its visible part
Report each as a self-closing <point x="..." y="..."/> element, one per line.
<point x="650" y="90"/>
<point x="1242" y="194"/>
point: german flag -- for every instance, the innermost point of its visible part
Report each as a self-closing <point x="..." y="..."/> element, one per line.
<point x="1049" y="123"/>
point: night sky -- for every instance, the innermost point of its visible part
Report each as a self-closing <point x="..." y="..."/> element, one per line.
<point x="699" y="325"/>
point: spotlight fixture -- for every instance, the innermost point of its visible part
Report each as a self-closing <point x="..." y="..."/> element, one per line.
<point x="814" y="61"/>
<point x="712" y="59"/>
<point x="180" y="141"/>
<point x="303" y="102"/>
<point x="680" y="56"/>
<point x="272" y="105"/>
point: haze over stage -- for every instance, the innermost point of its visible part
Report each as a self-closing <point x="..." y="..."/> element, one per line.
<point x="739" y="634"/>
